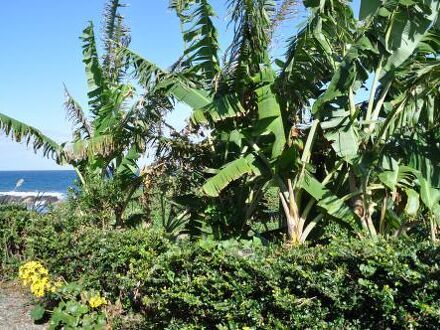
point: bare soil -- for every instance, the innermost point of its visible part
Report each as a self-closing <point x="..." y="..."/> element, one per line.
<point x="15" y="307"/>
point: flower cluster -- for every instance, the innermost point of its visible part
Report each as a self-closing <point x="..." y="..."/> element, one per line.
<point x="36" y="276"/>
<point x="96" y="300"/>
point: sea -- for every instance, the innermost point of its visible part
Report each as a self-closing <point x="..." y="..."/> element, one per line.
<point x="29" y="183"/>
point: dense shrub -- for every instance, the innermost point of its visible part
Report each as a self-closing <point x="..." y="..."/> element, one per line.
<point x="99" y="201"/>
<point x="98" y="258"/>
<point x="14" y="220"/>
<point x="352" y="284"/>
<point x="235" y="284"/>
<point x="71" y="247"/>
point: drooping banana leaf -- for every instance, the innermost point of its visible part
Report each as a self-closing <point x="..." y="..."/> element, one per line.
<point x="339" y="130"/>
<point x="429" y="195"/>
<point x="406" y="26"/>
<point x="127" y="167"/>
<point x="21" y="132"/>
<point x="221" y="108"/>
<point x="333" y="205"/>
<point x="401" y="176"/>
<point x="412" y="202"/>
<point x="368" y="8"/>
<point x="409" y="23"/>
<point x="230" y="172"/>
<point x="76" y="114"/>
<point x="150" y="74"/>
<point x="250" y="45"/>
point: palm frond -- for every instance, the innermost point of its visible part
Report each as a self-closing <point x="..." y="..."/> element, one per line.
<point x="21" y="132"/>
<point x="252" y="30"/>
<point x="200" y="36"/>
<point x="94" y="73"/>
<point x="76" y="115"/>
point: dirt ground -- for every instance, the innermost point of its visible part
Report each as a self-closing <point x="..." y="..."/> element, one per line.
<point x="15" y="306"/>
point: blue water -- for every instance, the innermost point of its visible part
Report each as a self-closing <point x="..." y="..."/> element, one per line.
<point x="37" y="181"/>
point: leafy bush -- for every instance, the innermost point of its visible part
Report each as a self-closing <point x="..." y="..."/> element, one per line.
<point x="14" y="219"/>
<point x="347" y="284"/>
<point x="98" y="259"/>
<point x="78" y="251"/>
<point x="236" y="284"/>
<point x="102" y="200"/>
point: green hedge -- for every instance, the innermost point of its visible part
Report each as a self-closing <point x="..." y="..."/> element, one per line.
<point x="355" y="284"/>
<point x="347" y="284"/>
<point x="14" y="220"/>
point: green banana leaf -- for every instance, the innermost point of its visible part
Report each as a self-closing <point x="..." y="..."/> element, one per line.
<point x="230" y="172"/>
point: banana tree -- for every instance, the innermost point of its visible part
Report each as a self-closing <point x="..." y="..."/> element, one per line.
<point x="383" y="136"/>
<point x="108" y="143"/>
<point x="243" y="101"/>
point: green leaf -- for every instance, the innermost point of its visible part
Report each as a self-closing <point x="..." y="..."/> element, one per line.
<point x="269" y="111"/>
<point x="221" y="108"/>
<point x="368" y="8"/>
<point x="201" y="54"/>
<point x="162" y="81"/>
<point x="128" y="167"/>
<point x="407" y="31"/>
<point x="95" y="76"/>
<point x="195" y="98"/>
<point x="37" y="313"/>
<point x="400" y="176"/>
<point x="76" y="114"/>
<point x="341" y="133"/>
<point x="430" y="196"/>
<point x="21" y="132"/>
<point x="332" y="204"/>
<point x="230" y="172"/>
<point x="344" y="78"/>
<point x="412" y="203"/>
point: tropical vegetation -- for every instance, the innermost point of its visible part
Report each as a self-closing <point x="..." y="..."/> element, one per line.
<point x="304" y="191"/>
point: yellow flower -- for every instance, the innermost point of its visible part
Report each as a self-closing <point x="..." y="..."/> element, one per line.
<point x="37" y="288"/>
<point x="96" y="301"/>
<point x="36" y="276"/>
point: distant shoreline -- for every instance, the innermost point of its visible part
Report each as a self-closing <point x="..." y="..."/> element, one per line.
<point x="31" y="198"/>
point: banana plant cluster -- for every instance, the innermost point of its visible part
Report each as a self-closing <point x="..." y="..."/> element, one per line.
<point x="387" y="141"/>
<point x="345" y="126"/>
<point x="371" y="163"/>
<point x="108" y="143"/>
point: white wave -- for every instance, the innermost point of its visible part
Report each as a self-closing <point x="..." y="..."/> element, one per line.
<point x="33" y="194"/>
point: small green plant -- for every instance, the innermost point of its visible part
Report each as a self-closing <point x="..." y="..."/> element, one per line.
<point x="78" y="309"/>
<point x="67" y="305"/>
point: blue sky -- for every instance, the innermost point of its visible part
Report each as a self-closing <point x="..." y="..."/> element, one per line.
<point x="41" y="50"/>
